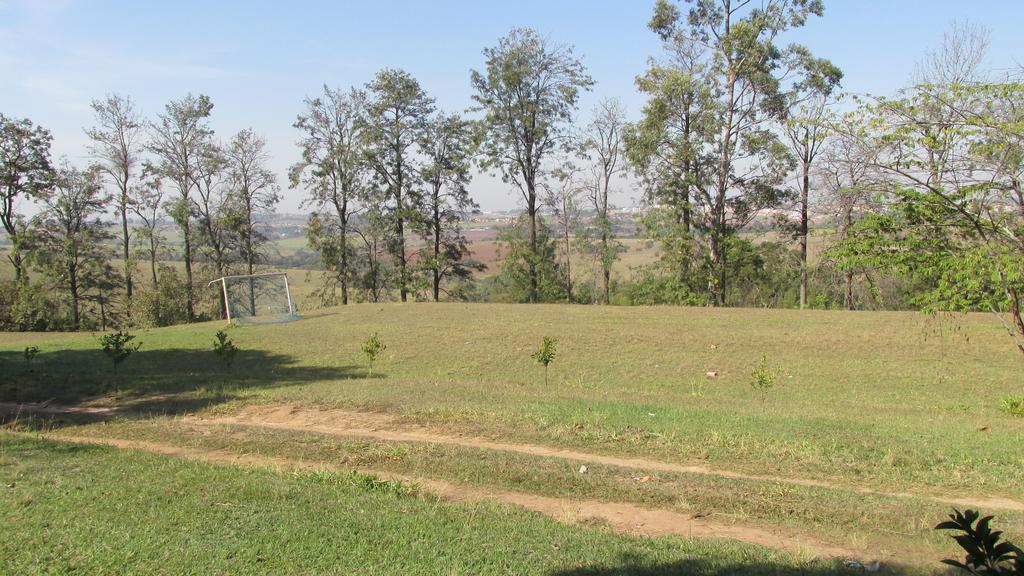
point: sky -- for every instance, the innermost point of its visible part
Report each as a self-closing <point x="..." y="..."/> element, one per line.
<point x="258" y="60"/>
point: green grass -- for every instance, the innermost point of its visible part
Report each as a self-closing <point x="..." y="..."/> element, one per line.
<point x="898" y="402"/>
<point x="86" y="509"/>
<point x="872" y="524"/>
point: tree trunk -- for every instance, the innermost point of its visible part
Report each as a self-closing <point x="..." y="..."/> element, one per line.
<point x="805" y="185"/>
<point x="126" y="239"/>
<point x="531" y="210"/>
<point x="73" y="289"/>
<point x="152" y="261"/>
<point x="716" y="288"/>
<point x="190" y="310"/>
<point x="437" y="246"/>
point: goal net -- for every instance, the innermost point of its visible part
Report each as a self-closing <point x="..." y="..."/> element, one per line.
<point x="256" y="298"/>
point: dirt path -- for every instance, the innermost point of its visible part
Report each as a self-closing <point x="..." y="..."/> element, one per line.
<point x="621" y="517"/>
<point x="384" y="427"/>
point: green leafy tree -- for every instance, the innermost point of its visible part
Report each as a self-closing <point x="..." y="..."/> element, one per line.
<point x="335" y="175"/>
<point x="253" y="191"/>
<point x="448" y="147"/>
<point x="529" y="271"/>
<point x="224" y="348"/>
<point x="603" y="147"/>
<point x="950" y="160"/>
<point x="372" y="348"/>
<point x="396" y="122"/>
<point x="25" y="173"/>
<point x="545" y="354"/>
<point x="528" y="93"/>
<point x="117" y="146"/>
<point x="763" y="377"/>
<point x="72" y="237"/>
<point x="178" y="140"/>
<point x="733" y="79"/>
<point x="118" y="347"/>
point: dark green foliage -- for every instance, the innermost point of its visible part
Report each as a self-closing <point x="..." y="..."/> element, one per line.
<point x="987" y="554"/>
<point x="118" y="346"/>
<point x="224" y="348"/>
<point x="514" y="284"/>
<point x="371" y="349"/>
<point x="161" y="306"/>
<point x="30" y="353"/>
<point x="545" y="354"/>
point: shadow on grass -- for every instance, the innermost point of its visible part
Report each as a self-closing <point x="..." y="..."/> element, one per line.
<point x="700" y="567"/>
<point x="162" y="381"/>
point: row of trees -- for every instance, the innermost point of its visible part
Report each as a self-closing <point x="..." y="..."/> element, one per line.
<point x="172" y="168"/>
<point x="924" y="188"/>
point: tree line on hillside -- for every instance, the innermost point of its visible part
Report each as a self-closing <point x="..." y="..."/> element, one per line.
<point x="921" y="190"/>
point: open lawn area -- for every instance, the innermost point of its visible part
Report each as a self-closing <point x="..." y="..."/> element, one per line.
<point x="647" y="451"/>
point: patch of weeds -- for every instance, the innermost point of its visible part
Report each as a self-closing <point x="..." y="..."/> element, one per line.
<point x="365" y="482"/>
<point x="1013" y="405"/>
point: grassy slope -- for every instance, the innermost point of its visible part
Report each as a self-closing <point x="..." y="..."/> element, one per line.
<point x="73" y="508"/>
<point x="894" y="401"/>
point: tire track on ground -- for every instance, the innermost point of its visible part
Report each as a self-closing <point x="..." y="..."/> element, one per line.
<point x="620" y="517"/>
<point x="383" y="427"/>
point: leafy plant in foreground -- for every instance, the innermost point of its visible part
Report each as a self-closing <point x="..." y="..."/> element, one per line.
<point x="118" y="346"/>
<point x="545" y="354"/>
<point x="224" y="348"/>
<point x="987" y="553"/>
<point x="371" y="349"/>
<point x="763" y="378"/>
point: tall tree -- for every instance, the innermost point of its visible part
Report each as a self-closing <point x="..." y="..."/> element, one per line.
<point x="669" y="149"/>
<point x="848" y="182"/>
<point x="396" y="121"/>
<point x="178" y="140"/>
<point x="447" y="148"/>
<point x="25" y="172"/>
<point x="253" y="190"/>
<point x="212" y="208"/>
<point x="744" y="69"/>
<point x="563" y="197"/>
<point x="147" y="204"/>
<point x="603" y="146"/>
<point x="528" y="92"/>
<point x="117" y="144"/>
<point x="806" y="128"/>
<point x="334" y="173"/>
<point x="73" y="235"/>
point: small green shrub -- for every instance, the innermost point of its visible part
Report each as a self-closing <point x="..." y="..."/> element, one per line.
<point x="372" y="348"/>
<point x="762" y="378"/>
<point x="118" y="347"/>
<point x="987" y="554"/>
<point x="1013" y="405"/>
<point x="30" y="354"/>
<point x="224" y="348"/>
<point x="545" y="354"/>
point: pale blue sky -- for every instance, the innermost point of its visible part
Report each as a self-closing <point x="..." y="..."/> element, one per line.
<point x="257" y="60"/>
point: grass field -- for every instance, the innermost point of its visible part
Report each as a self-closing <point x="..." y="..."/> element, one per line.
<point x="878" y="424"/>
